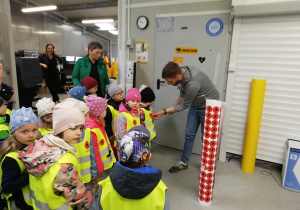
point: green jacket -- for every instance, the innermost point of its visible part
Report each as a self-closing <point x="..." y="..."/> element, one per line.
<point x="82" y="69"/>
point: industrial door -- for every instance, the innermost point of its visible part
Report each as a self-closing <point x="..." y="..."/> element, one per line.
<point x="198" y="40"/>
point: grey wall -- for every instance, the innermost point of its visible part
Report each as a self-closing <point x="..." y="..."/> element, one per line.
<point x="145" y="71"/>
<point x="28" y="29"/>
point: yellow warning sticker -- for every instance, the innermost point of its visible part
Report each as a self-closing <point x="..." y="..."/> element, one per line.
<point x="186" y="50"/>
<point x="178" y="59"/>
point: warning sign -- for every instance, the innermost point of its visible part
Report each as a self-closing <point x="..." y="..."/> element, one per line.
<point x="186" y="50"/>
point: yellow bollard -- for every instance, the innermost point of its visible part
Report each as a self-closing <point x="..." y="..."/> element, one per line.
<point x="256" y="101"/>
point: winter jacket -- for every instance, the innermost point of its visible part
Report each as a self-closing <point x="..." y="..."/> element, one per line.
<point x="133" y="183"/>
<point x="109" y="118"/>
<point x="82" y="69"/>
<point x="38" y="159"/>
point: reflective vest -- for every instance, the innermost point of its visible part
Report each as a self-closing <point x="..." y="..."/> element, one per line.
<point x="44" y="131"/>
<point x="111" y="199"/>
<point x="42" y="193"/>
<point x="114" y="114"/>
<point x="106" y="152"/>
<point x="87" y="96"/>
<point x="149" y="123"/>
<point x="4" y="127"/>
<point x="84" y="156"/>
<point x="131" y="121"/>
<point x="26" y="189"/>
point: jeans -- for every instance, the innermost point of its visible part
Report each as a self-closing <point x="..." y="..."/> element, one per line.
<point x="194" y="119"/>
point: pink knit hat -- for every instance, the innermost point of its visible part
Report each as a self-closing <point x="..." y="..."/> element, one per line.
<point x="66" y="115"/>
<point x="96" y="105"/>
<point x="133" y="94"/>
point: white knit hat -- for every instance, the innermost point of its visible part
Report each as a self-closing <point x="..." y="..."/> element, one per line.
<point x="80" y="104"/>
<point x="45" y="106"/>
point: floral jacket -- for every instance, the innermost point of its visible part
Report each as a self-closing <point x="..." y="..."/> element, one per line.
<point x="39" y="157"/>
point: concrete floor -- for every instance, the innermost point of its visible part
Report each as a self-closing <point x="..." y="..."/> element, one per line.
<point x="233" y="188"/>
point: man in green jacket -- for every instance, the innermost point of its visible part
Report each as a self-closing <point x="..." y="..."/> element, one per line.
<point x="92" y="66"/>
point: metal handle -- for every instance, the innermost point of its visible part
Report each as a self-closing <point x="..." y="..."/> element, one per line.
<point x="158" y="83"/>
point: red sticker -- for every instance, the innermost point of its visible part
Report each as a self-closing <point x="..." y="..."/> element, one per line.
<point x="216" y="109"/>
<point x="87" y="145"/>
<point x="102" y="142"/>
<point x="209" y="108"/>
<point x="134" y="122"/>
<point x="151" y="115"/>
<point x="215" y="116"/>
<point x="208" y="115"/>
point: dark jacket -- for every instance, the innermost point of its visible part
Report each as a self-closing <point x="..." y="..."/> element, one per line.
<point x="108" y="118"/>
<point x="133" y="183"/>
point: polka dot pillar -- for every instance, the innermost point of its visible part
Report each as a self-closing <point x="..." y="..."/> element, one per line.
<point x="209" y="151"/>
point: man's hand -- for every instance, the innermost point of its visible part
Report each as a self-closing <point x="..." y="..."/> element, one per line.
<point x="157" y="115"/>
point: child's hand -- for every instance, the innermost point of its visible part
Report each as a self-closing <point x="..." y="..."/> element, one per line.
<point x="156" y="116"/>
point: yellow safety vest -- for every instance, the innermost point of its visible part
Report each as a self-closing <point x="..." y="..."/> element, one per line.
<point x="26" y="189"/>
<point x="114" y="114"/>
<point x="111" y="199"/>
<point x="84" y="156"/>
<point x="44" y="131"/>
<point x="131" y="120"/>
<point x="106" y="152"/>
<point x="42" y="193"/>
<point x="149" y="123"/>
<point x="4" y="127"/>
<point x="87" y="96"/>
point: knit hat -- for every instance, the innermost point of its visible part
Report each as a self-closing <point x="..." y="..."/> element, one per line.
<point x="44" y="106"/>
<point x="21" y="117"/>
<point x="133" y="94"/>
<point x="89" y="82"/>
<point x="112" y="89"/>
<point x="80" y="104"/>
<point x="135" y="147"/>
<point x="2" y="101"/>
<point x="147" y="94"/>
<point x="6" y="91"/>
<point x="96" y="105"/>
<point x="77" y="92"/>
<point x="66" y="115"/>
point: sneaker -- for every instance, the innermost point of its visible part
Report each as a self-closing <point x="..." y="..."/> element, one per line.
<point x="178" y="167"/>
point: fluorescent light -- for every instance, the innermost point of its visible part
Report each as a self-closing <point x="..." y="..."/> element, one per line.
<point x="105" y="26"/>
<point x="44" y="32"/>
<point x="98" y="21"/>
<point x="70" y="58"/>
<point x="38" y="9"/>
<point x="114" y="32"/>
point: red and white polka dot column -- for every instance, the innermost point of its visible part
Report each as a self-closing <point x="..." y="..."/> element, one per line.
<point x="209" y="151"/>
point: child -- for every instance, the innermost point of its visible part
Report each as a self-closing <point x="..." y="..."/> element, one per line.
<point x="45" y="108"/>
<point x="77" y="92"/>
<point x="4" y="128"/>
<point x="129" y="114"/>
<point x="147" y="97"/>
<point x="91" y="86"/>
<point x="132" y="184"/>
<point x="86" y="154"/>
<point x="103" y="153"/>
<point x="54" y="179"/>
<point x="116" y="96"/>
<point x="13" y="176"/>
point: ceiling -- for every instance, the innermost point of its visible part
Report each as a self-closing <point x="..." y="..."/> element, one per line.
<point x="73" y="11"/>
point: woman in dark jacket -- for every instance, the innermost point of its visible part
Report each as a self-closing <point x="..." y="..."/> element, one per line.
<point x="49" y="61"/>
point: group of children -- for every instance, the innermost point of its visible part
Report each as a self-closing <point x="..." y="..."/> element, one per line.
<point x="56" y="160"/>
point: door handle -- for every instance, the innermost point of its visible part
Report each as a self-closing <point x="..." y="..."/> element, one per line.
<point x="158" y="83"/>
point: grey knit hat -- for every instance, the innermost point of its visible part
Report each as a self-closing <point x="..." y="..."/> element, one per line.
<point x="112" y="89"/>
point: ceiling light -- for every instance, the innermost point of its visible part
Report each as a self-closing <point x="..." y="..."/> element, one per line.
<point x="105" y="26"/>
<point x="113" y="32"/>
<point x="86" y="21"/>
<point x="38" y="9"/>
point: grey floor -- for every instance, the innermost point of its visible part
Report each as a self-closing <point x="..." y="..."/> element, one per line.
<point x="233" y="188"/>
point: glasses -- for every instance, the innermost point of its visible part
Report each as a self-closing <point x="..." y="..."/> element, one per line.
<point x="118" y="94"/>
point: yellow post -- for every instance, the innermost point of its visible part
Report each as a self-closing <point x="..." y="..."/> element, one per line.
<point x="256" y="101"/>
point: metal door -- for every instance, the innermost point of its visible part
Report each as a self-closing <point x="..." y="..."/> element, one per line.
<point x="208" y="34"/>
